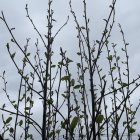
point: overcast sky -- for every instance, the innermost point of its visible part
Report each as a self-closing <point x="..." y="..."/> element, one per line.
<point x="127" y="14"/>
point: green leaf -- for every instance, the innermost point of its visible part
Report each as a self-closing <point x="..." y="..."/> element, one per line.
<point x="58" y="131"/>
<point x="113" y="68"/>
<point x="13" y="102"/>
<point x="72" y="82"/>
<point x="15" y="106"/>
<point x="20" y="122"/>
<point x="74" y="124"/>
<point x="124" y="84"/>
<point x="13" y="55"/>
<point x="63" y="124"/>
<point x="61" y="63"/>
<point x="65" y="96"/>
<point x="118" y="58"/>
<point x="24" y="60"/>
<point x="107" y="42"/>
<point x="110" y="57"/>
<point x="104" y="77"/>
<point x="50" y="134"/>
<point x="53" y="66"/>
<point x="77" y="86"/>
<point x="30" y="136"/>
<point x="78" y="53"/>
<point x="123" y="49"/>
<point x="7" y="45"/>
<point x="99" y="118"/>
<point x="46" y="55"/>
<point x="78" y="65"/>
<point x="54" y="20"/>
<point x="115" y="79"/>
<point x="134" y="123"/>
<point x="31" y="103"/>
<point x="113" y="131"/>
<point x="97" y="41"/>
<point x="69" y="60"/>
<point x="27" y="113"/>
<point x="105" y="20"/>
<point x="83" y="27"/>
<point x="65" y="78"/>
<point x="131" y="130"/>
<point x="12" y="40"/>
<point x="8" y="119"/>
<point x="27" y="108"/>
<point x="51" y="40"/>
<point x="11" y="130"/>
<point x="28" y="99"/>
<point x="76" y="108"/>
<point x="124" y="123"/>
<point x="1" y="138"/>
<point x="28" y="54"/>
<point x="50" y="101"/>
<point x="3" y="106"/>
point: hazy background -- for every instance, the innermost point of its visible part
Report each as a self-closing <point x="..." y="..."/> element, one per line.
<point x="127" y="14"/>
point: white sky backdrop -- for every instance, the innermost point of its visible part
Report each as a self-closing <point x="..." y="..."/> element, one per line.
<point x="127" y="14"/>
